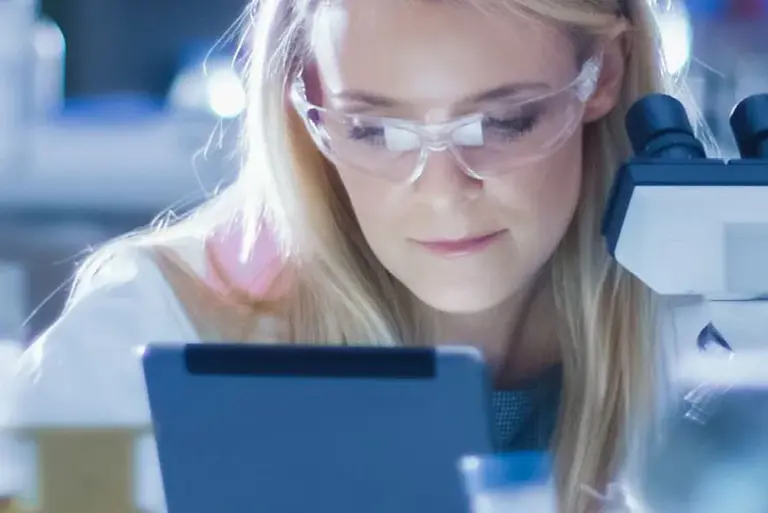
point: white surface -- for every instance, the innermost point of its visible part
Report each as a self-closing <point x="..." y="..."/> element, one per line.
<point x="673" y="239"/>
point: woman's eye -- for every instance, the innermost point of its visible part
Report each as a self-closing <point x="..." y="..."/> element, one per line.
<point x="516" y="123"/>
<point x="511" y="127"/>
<point x="363" y="132"/>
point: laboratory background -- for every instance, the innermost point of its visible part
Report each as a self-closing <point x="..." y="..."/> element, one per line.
<point x="119" y="113"/>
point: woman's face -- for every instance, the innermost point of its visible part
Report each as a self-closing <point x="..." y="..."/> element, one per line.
<point x="459" y="243"/>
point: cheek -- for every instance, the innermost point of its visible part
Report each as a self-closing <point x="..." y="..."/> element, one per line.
<point x="561" y="187"/>
<point x="373" y="201"/>
<point x="542" y="198"/>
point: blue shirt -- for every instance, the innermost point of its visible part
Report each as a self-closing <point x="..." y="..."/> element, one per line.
<point x="526" y="416"/>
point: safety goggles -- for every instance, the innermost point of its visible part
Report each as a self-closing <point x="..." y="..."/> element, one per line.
<point x="501" y="138"/>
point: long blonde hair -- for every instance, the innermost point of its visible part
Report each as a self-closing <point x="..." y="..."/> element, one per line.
<point x="341" y="293"/>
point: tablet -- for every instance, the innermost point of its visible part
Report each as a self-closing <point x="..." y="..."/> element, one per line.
<point x="287" y="429"/>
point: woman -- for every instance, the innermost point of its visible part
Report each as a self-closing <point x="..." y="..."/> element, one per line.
<point x="417" y="172"/>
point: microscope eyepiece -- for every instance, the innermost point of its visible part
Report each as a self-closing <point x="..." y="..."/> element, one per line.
<point x="658" y="126"/>
<point x="749" y="122"/>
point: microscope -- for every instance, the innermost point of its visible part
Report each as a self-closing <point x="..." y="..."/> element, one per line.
<point x="689" y="225"/>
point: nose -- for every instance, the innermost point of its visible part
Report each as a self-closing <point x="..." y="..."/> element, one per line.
<point x="443" y="181"/>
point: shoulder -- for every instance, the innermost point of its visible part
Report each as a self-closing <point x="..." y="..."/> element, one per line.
<point x="85" y="369"/>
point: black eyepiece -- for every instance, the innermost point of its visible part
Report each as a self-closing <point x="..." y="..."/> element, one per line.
<point x="749" y="122"/>
<point x="658" y="126"/>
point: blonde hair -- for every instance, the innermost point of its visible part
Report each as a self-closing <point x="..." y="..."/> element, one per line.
<point x="340" y="292"/>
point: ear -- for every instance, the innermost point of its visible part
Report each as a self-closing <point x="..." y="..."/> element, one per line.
<point x="312" y="83"/>
<point x="615" y="54"/>
<point x="310" y="75"/>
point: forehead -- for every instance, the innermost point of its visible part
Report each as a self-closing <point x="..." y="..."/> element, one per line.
<point x="433" y="51"/>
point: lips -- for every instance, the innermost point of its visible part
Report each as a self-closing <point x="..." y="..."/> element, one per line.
<point x="463" y="246"/>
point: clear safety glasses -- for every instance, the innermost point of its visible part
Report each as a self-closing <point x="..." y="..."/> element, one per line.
<point x="499" y="139"/>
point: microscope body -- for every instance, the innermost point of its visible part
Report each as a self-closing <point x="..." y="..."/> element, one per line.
<point x="694" y="227"/>
<point x="688" y="225"/>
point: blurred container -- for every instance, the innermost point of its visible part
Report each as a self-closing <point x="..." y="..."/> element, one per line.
<point x="16" y="36"/>
<point x="509" y="483"/>
<point x="50" y="53"/>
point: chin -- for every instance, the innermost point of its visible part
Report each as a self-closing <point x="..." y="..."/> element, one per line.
<point x="465" y="301"/>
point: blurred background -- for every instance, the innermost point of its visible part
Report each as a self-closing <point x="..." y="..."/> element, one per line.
<point x="109" y="119"/>
<point x="121" y="123"/>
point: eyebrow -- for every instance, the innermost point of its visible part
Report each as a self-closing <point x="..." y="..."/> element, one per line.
<point x="497" y="93"/>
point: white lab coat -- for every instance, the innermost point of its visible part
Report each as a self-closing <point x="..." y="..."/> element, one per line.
<point x="85" y="370"/>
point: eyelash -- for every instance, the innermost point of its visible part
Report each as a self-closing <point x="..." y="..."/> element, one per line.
<point x="360" y="132"/>
<point x="373" y="134"/>
<point x="513" y="127"/>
